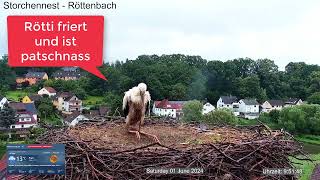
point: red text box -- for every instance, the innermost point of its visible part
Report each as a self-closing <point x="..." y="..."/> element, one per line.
<point x="56" y="41"/>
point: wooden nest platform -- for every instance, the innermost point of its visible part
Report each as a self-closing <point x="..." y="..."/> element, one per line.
<point x="103" y="150"/>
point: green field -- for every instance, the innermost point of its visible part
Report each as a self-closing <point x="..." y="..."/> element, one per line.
<point x="306" y="166"/>
<point x="93" y="100"/>
<point x="312" y="144"/>
<point x="3" y="146"/>
<point x="16" y="95"/>
<point x="311" y="139"/>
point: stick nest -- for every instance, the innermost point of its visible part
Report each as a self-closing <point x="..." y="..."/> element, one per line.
<point x="103" y="150"/>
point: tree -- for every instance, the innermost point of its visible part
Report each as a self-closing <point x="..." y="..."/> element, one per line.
<point x="192" y="111"/>
<point x="113" y="101"/>
<point x="178" y="92"/>
<point x="249" y="87"/>
<point x="220" y="117"/>
<point x="7" y="75"/>
<point x="45" y="108"/>
<point x="293" y="119"/>
<point x="80" y="93"/>
<point x="314" y="82"/>
<point x="301" y="119"/>
<point x="314" y="98"/>
<point x="274" y="116"/>
<point x="7" y="116"/>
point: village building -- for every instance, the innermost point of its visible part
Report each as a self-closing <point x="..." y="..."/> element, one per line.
<point x="74" y="118"/>
<point x="3" y="101"/>
<point x="270" y="105"/>
<point x="249" y="108"/>
<point x="32" y="78"/>
<point x="168" y="108"/>
<point x="229" y="102"/>
<point x="31" y="98"/>
<point x="207" y="108"/>
<point x="21" y="80"/>
<point x="26" y="115"/>
<point x="67" y="75"/>
<point x="293" y="102"/>
<point x="49" y="91"/>
<point x="67" y="102"/>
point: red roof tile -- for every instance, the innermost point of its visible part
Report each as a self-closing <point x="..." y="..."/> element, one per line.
<point x="50" y="90"/>
<point x="166" y="104"/>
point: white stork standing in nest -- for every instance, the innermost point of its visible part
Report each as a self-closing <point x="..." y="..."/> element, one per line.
<point x="135" y="105"/>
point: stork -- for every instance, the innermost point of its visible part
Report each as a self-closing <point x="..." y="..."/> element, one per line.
<point x="135" y="105"/>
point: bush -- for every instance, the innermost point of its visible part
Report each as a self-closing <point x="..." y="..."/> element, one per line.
<point x="292" y="119"/>
<point x="314" y="98"/>
<point x="274" y="116"/>
<point x="221" y="117"/>
<point x="303" y="119"/>
<point x="4" y="136"/>
<point x="192" y="111"/>
<point x="36" y="132"/>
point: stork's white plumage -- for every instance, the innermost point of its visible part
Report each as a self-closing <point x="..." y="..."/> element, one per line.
<point x="135" y="105"/>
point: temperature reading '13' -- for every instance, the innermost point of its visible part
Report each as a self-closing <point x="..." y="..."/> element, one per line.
<point x="21" y="158"/>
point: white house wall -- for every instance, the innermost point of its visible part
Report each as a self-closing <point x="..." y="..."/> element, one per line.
<point x="165" y="112"/>
<point x="3" y="102"/>
<point x="221" y="105"/>
<point x="18" y="126"/>
<point x="207" y="108"/>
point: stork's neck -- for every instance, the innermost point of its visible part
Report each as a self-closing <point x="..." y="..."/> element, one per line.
<point x="142" y="98"/>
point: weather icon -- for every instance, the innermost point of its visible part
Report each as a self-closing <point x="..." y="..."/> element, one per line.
<point x="12" y="158"/>
<point x="53" y="158"/>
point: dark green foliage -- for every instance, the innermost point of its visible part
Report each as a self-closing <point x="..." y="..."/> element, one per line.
<point x="221" y="117"/>
<point x="7" y="116"/>
<point x="274" y="116"/>
<point x="36" y="132"/>
<point x="192" y="111"/>
<point x="303" y="119"/>
<point x="314" y="98"/>
<point x="114" y="102"/>
<point x="7" y="75"/>
<point x="45" y="108"/>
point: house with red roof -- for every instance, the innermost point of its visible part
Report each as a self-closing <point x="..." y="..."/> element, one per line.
<point x="168" y="108"/>
<point x="67" y="102"/>
<point x="47" y="91"/>
<point x="26" y="115"/>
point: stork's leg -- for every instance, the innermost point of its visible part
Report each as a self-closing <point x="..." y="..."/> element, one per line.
<point x="135" y="132"/>
<point x="154" y="137"/>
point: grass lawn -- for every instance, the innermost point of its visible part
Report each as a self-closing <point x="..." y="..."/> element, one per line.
<point x="307" y="166"/>
<point x="3" y="146"/>
<point x="246" y="122"/>
<point x="93" y="100"/>
<point x="311" y="139"/>
<point x="3" y="149"/>
<point x="16" y="95"/>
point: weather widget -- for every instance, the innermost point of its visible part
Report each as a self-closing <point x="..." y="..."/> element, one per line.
<point x="36" y="159"/>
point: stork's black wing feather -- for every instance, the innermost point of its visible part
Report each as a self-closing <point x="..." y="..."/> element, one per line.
<point x="147" y="108"/>
<point x="126" y="110"/>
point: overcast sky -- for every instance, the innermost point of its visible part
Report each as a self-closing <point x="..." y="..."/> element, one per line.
<point x="286" y="30"/>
